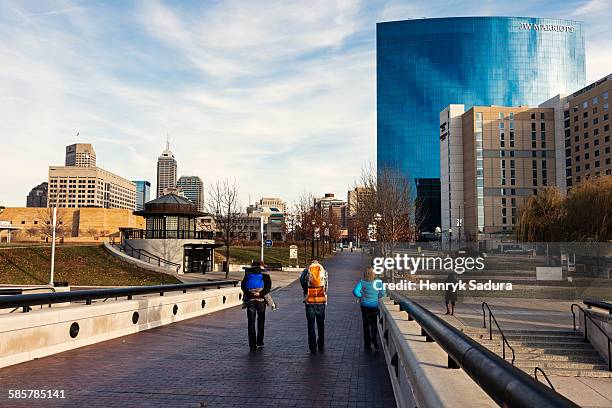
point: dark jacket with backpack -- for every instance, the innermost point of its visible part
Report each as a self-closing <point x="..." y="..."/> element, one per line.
<point x="267" y="283"/>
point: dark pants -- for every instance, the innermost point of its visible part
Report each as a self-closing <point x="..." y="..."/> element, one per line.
<point x="369" y="316"/>
<point x="256" y="308"/>
<point x="316" y="312"/>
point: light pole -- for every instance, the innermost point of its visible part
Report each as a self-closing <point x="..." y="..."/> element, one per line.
<point x="261" y="231"/>
<point x="377" y="219"/>
<point x="54" y="225"/>
<point x="313" y="223"/>
<point x="324" y="236"/>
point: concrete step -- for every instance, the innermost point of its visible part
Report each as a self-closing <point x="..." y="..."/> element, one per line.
<point x="562" y="372"/>
<point x="478" y="330"/>
<point x="572" y="358"/>
<point x="560" y="365"/>
<point x="559" y="351"/>
<point x="525" y="339"/>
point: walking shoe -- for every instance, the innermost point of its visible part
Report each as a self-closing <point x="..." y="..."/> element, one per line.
<point x="259" y="347"/>
<point x="275" y="306"/>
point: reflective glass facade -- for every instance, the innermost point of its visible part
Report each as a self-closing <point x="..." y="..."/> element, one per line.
<point x="424" y="65"/>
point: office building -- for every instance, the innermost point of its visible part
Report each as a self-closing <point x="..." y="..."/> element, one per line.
<point x="426" y="64"/>
<point x="143" y="194"/>
<point x="333" y="210"/>
<point x="582" y="128"/>
<point x="273" y="202"/>
<point x="356" y="196"/>
<point x="493" y="158"/>
<point x="166" y="172"/>
<point x="76" y="187"/>
<point x="192" y="188"/>
<point x="80" y="155"/>
<point x="38" y="196"/>
<point x="82" y="184"/>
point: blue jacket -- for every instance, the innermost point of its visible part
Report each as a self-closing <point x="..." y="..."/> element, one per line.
<point x="367" y="294"/>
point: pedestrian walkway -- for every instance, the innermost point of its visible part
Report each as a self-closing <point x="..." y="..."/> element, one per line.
<point x="205" y="361"/>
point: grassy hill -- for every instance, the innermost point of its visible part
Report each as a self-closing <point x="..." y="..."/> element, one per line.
<point x="78" y="265"/>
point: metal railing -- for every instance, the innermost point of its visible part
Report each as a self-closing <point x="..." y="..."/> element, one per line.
<point x="586" y="336"/>
<point x="36" y="299"/>
<point x="535" y="375"/>
<point x="505" y="384"/>
<point x="125" y="247"/>
<point x="504" y="340"/>
<point x="590" y="303"/>
<point x="166" y="234"/>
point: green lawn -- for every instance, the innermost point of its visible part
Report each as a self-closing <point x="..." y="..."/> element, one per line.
<point x="78" y="265"/>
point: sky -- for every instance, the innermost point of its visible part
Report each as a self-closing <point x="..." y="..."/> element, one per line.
<point x="279" y="96"/>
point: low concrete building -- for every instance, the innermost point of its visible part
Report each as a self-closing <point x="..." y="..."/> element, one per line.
<point x="172" y="234"/>
<point x="77" y="224"/>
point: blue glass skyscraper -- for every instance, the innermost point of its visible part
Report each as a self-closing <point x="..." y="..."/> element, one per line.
<point x="426" y="64"/>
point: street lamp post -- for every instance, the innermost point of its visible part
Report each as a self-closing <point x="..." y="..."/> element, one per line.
<point x="439" y="236"/>
<point x="52" y="275"/>
<point x="313" y="239"/>
<point x="324" y="237"/>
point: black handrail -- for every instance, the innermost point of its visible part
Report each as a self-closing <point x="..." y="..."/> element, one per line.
<point x="504" y="340"/>
<point x="535" y="375"/>
<point x="586" y="337"/>
<point x="159" y="259"/>
<point x="598" y="304"/>
<point x="35" y="299"/>
<point x="505" y="384"/>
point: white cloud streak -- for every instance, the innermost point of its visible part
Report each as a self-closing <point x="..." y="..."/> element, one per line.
<point x="278" y="95"/>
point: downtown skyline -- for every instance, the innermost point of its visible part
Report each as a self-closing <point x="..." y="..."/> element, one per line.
<point x="282" y="103"/>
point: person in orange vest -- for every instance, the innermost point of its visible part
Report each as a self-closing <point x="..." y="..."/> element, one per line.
<point x="314" y="285"/>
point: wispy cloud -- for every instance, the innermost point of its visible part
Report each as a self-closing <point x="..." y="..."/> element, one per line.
<point x="279" y="95"/>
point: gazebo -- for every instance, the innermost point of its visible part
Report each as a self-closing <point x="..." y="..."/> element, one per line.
<point x="171" y="234"/>
<point x="170" y="217"/>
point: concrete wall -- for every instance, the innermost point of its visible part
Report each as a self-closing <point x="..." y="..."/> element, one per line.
<point x="169" y="249"/>
<point x="423" y="379"/>
<point x="595" y="336"/>
<point x="83" y="224"/>
<point x="140" y="263"/>
<point x="26" y="336"/>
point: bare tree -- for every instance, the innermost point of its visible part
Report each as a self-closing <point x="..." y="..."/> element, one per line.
<point x="92" y="232"/>
<point x="63" y="228"/>
<point x="225" y="207"/>
<point x="387" y="206"/>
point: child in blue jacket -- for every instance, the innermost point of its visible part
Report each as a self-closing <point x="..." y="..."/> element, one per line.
<point x="368" y="296"/>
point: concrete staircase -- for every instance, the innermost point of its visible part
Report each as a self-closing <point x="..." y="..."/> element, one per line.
<point x="557" y="352"/>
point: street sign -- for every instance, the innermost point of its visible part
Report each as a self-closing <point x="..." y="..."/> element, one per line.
<point x="293" y="252"/>
<point x="269" y="243"/>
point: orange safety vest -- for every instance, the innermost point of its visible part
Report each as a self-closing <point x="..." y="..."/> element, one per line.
<point x="316" y="285"/>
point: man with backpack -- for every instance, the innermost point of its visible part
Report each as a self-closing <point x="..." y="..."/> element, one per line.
<point x="255" y="287"/>
<point x="314" y="285"/>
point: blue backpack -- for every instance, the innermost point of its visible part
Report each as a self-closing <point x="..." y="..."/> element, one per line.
<point x="254" y="281"/>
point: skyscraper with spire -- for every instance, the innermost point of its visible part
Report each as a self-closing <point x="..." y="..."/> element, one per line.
<point x="166" y="171"/>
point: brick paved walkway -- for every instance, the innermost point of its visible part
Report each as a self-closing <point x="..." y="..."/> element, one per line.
<point x="205" y="361"/>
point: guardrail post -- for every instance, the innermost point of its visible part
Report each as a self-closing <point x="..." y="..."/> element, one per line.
<point x="395" y="364"/>
<point x="428" y="338"/>
<point x="88" y="302"/>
